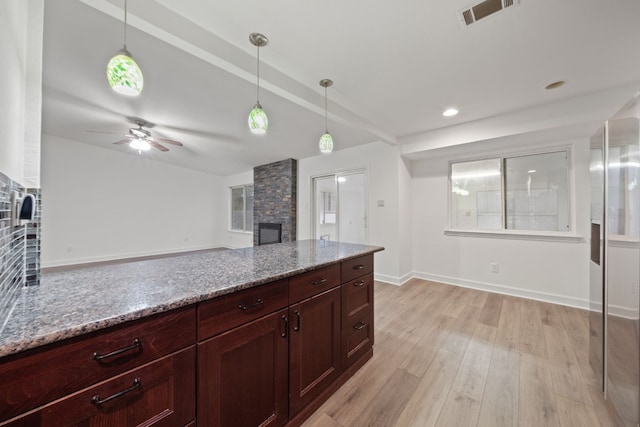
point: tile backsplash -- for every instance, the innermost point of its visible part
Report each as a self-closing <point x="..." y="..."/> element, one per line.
<point x="19" y="249"/>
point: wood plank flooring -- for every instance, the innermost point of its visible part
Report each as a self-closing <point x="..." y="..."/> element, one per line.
<point x="449" y="356"/>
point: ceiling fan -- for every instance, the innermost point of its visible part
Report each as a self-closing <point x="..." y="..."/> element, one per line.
<point x="142" y="140"/>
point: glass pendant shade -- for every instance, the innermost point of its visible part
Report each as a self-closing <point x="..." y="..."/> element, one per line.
<point x="124" y="75"/>
<point x="139" y="144"/>
<point x="258" y="122"/>
<point x="326" y="143"/>
<point x="326" y="140"/>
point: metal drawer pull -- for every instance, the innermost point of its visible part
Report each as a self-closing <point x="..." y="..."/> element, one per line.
<point x="136" y="344"/>
<point x="359" y="284"/>
<point x="358" y="326"/>
<point x="297" y="327"/>
<point x="254" y="305"/>
<point x="358" y="267"/>
<point x="319" y="282"/>
<point x="97" y="401"/>
<point x="283" y="334"/>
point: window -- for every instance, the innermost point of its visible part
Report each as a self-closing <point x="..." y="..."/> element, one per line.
<point x="512" y="193"/>
<point x="242" y="208"/>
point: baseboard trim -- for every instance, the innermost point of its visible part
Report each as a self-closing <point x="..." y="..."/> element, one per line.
<point x="506" y="290"/>
<point x="623" y="312"/>
<point x="393" y="280"/>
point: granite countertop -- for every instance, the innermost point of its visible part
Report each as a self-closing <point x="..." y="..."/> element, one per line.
<point x="80" y="300"/>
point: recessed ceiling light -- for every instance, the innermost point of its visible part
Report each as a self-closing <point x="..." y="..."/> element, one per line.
<point x="450" y="112"/>
<point x="555" y="85"/>
<point x="532" y="171"/>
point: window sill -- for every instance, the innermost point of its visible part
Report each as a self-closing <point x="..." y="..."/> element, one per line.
<point x="517" y="235"/>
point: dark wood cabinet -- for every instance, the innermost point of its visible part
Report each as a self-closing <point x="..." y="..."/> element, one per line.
<point x="157" y="394"/>
<point x="43" y="375"/>
<point x="264" y="356"/>
<point x="314" y="353"/>
<point x="243" y="373"/>
<point x="357" y="319"/>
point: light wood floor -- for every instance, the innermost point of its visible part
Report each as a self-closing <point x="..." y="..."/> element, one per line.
<point x="449" y="356"/>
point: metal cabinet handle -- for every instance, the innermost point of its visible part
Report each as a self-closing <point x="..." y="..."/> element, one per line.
<point x="283" y="334"/>
<point x="97" y="401"/>
<point x="358" y="267"/>
<point x="358" y="326"/>
<point x="249" y="307"/>
<point x="359" y="284"/>
<point x="136" y="344"/>
<point x="297" y="327"/>
<point x="319" y="282"/>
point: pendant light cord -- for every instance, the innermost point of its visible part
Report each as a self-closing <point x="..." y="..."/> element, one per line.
<point x="325" y="110"/>
<point x="125" y="24"/>
<point x="258" y="76"/>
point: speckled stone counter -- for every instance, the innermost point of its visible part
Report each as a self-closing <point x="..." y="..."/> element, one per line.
<point x="81" y="300"/>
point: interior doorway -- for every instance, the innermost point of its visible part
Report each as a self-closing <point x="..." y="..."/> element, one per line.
<point x="340" y="207"/>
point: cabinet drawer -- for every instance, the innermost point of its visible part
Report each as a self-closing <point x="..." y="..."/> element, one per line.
<point x="357" y="298"/>
<point x="157" y="394"/>
<point x="39" y="376"/>
<point x="313" y="282"/>
<point x="229" y="311"/>
<point x="356" y="267"/>
<point x="357" y="339"/>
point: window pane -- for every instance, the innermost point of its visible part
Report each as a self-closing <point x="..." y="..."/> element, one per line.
<point x="537" y="192"/>
<point x="249" y="208"/>
<point x="237" y="208"/>
<point x="475" y="195"/>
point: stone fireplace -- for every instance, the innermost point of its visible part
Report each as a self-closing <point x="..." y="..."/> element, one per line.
<point x="275" y="193"/>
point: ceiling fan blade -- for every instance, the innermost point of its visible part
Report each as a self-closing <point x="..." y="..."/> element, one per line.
<point x="168" y="141"/>
<point x="123" y="141"/>
<point x="155" y="144"/>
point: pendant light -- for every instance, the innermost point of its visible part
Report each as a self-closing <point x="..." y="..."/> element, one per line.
<point x="258" y="122"/>
<point x="326" y="141"/>
<point x="123" y="73"/>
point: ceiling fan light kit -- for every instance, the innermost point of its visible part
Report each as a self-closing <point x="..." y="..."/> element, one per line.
<point x="123" y="73"/>
<point x="326" y="140"/>
<point x="141" y="139"/>
<point x="140" y="145"/>
<point x="258" y="121"/>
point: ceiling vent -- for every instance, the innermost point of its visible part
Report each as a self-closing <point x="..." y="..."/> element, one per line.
<point x="483" y="9"/>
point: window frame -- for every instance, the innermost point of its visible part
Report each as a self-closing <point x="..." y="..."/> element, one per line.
<point x="504" y="233"/>
<point x="244" y="230"/>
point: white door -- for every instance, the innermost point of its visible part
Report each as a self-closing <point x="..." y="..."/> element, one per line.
<point x="340" y="210"/>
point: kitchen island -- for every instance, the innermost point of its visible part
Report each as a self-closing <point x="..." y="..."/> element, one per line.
<point x="277" y="327"/>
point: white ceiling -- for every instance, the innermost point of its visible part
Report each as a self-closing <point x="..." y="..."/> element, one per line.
<point x="396" y="66"/>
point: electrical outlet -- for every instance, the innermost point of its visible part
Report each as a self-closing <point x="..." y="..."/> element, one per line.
<point x="495" y="267"/>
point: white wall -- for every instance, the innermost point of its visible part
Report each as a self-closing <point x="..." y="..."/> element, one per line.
<point x="232" y="239"/>
<point x="382" y="162"/>
<point x="100" y="204"/>
<point x="555" y="271"/>
<point x="21" y="24"/>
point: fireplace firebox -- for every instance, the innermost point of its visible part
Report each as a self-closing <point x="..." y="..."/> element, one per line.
<point x="269" y="233"/>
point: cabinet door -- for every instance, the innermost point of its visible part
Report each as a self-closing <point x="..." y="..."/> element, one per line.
<point x="314" y="347"/>
<point x="158" y="394"/>
<point x="242" y="375"/>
